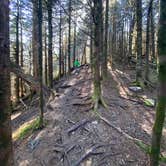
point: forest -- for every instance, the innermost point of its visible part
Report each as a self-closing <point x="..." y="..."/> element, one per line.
<point x="82" y="82"/>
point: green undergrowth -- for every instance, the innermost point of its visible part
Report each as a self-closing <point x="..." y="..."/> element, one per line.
<point x="149" y="103"/>
<point x="27" y="129"/>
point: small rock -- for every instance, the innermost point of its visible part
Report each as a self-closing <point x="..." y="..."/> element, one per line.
<point x="33" y="144"/>
<point x="135" y="88"/>
<point x="95" y="122"/>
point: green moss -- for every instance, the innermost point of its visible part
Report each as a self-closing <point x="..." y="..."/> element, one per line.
<point x="27" y="129"/>
<point x="162" y="159"/>
<point x="144" y="147"/>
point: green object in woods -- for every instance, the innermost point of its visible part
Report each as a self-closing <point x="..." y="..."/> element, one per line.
<point x="76" y="63"/>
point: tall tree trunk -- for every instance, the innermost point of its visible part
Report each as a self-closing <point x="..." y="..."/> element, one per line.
<point x="6" y="153"/>
<point x="60" y="43"/>
<point x="114" y="37"/>
<point x="91" y="44"/>
<point x="104" y="67"/>
<point x="17" y="51"/>
<point x="65" y="56"/>
<point x="35" y="39"/>
<point x="50" y="60"/>
<point x="40" y="57"/>
<point x="161" y="106"/>
<point x="69" y="38"/>
<point x="132" y="23"/>
<point x="46" y="57"/>
<point x="21" y="58"/>
<point x="139" y="40"/>
<point x="147" y="40"/>
<point x="97" y="48"/>
<point x="74" y="47"/>
<point x="154" y="58"/>
<point x="98" y="51"/>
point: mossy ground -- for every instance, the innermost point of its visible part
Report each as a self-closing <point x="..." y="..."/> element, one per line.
<point x="26" y="129"/>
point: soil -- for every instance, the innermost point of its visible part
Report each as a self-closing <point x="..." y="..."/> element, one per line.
<point x="75" y="135"/>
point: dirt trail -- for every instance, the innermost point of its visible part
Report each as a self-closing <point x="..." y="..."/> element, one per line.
<point x="76" y="136"/>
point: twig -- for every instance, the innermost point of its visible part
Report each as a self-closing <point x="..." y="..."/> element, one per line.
<point x="26" y="107"/>
<point x="136" y="101"/>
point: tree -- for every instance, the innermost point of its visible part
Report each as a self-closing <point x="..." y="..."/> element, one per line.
<point x="17" y="50"/>
<point x="6" y="154"/>
<point x="69" y="36"/>
<point x="139" y="40"/>
<point x="35" y="39"/>
<point x="98" y="51"/>
<point x="50" y="63"/>
<point x="161" y="106"/>
<point x="60" y="42"/>
<point x="40" y="57"/>
<point x="147" y="39"/>
<point x="104" y="65"/>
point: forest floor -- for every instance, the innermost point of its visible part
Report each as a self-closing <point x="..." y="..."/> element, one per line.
<point x="75" y="135"/>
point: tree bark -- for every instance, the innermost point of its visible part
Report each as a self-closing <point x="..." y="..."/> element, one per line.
<point x="139" y="40"/>
<point x="40" y="57"/>
<point x="97" y="17"/>
<point x="6" y="153"/>
<point x="74" y="47"/>
<point x="50" y="60"/>
<point x="147" y="40"/>
<point x="60" y="43"/>
<point x="46" y="57"/>
<point x="21" y="58"/>
<point x="161" y="106"/>
<point x="132" y="23"/>
<point x="153" y="36"/>
<point x="17" y="51"/>
<point x="35" y="39"/>
<point x="69" y="38"/>
<point x="104" y="67"/>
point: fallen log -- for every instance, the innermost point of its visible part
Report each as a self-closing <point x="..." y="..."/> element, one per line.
<point x="29" y="79"/>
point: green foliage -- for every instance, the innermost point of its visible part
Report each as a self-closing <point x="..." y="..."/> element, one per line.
<point x="149" y="102"/>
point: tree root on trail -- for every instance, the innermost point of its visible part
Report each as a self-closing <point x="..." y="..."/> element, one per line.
<point x="100" y="100"/>
<point x="77" y="125"/>
<point x="138" y="142"/>
<point x="92" y="151"/>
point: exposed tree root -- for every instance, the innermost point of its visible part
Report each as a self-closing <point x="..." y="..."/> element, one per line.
<point x="119" y="130"/>
<point x="146" y="148"/>
<point x="77" y="125"/>
<point x="100" y="100"/>
<point x="95" y="150"/>
<point x="103" y="103"/>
